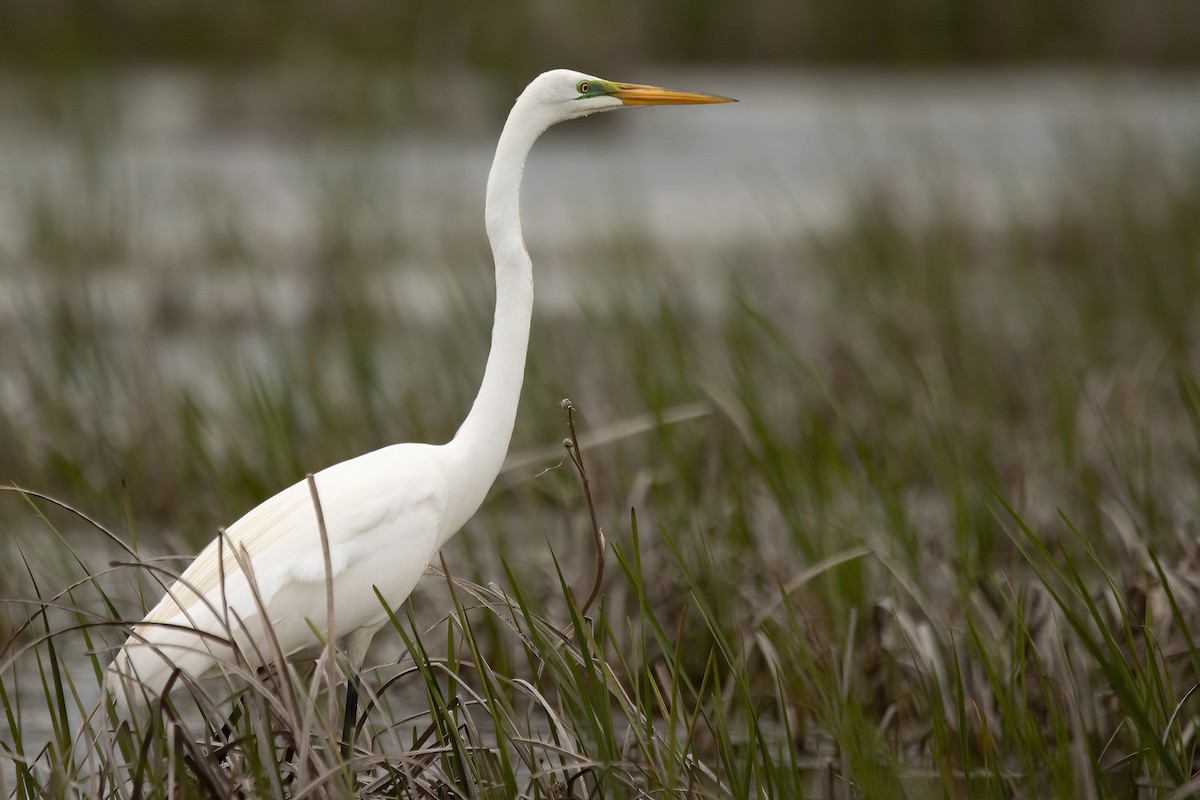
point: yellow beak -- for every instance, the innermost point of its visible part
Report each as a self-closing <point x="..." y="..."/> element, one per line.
<point x="633" y="94"/>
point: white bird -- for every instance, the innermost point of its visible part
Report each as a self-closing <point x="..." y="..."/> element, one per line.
<point x="386" y="512"/>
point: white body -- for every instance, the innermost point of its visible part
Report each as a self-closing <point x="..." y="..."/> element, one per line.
<point x="387" y="512"/>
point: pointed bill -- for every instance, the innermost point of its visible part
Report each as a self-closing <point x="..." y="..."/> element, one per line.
<point x="634" y="94"/>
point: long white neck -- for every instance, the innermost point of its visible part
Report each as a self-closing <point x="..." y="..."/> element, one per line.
<point x="477" y="451"/>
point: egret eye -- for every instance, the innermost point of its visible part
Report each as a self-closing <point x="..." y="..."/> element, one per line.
<point x="584" y="87"/>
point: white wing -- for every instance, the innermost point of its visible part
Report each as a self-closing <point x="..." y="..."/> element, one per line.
<point x="383" y="515"/>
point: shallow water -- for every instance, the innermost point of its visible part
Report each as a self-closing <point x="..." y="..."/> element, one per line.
<point x="795" y="154"/>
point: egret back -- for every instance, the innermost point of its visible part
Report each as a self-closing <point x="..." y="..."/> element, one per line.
<point x="385" y="515"/>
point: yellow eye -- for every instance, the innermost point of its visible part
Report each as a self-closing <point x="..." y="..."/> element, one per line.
<point x="584" y="87"/>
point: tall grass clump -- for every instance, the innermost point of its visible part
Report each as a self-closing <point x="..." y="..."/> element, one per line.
<point x="934" y="536"/>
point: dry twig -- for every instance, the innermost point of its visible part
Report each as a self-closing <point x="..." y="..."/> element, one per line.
<point x="571" y="444"/>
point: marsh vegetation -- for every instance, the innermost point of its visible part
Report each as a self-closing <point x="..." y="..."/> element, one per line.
<point x="900" y="504"/>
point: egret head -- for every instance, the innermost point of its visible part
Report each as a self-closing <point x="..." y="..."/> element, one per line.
<point x="566" y="94"/>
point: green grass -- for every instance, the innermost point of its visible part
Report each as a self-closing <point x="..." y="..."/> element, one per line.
<point x="936" y="536"/>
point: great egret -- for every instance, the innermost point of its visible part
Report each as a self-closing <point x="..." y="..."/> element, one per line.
<point x="387" y="512"/>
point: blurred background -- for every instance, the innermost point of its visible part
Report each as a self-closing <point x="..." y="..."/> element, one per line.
<point x="519" y="38"/>
<point x="239" y="243"/>
<point x="942" y="250"/>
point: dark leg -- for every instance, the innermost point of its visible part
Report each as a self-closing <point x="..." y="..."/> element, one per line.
<point x="356" y="645"/>
<point x="351" y="720"/>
